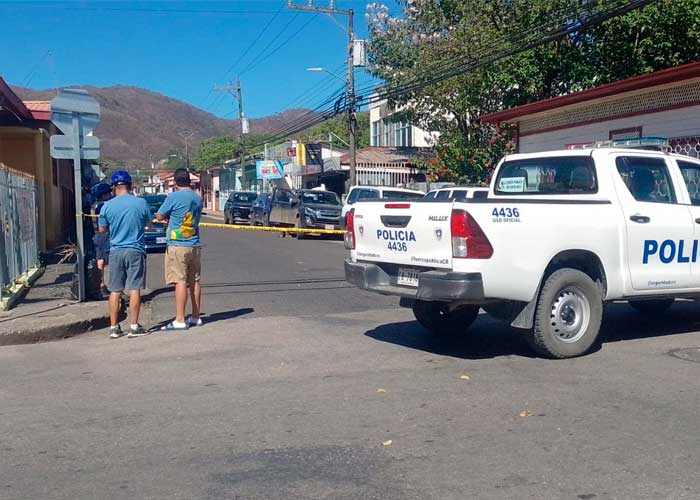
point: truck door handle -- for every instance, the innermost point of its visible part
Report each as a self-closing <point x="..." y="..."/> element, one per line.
<point x="640" y="219"/>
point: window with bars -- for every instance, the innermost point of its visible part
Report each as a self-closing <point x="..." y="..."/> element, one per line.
<point x="376" y="133"/>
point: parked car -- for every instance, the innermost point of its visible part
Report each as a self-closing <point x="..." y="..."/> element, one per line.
<point x="260" y="212"/>
<point x="358" y="193"/>
<point x="156" y="236"/>
<point x="457" y="193"/>
<point x="307" y="208"/>
<point x="238" y="206"/>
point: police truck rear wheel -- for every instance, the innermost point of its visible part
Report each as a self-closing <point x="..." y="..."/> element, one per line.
<point x="437" y="318"/>
<point x="568" y="315"/>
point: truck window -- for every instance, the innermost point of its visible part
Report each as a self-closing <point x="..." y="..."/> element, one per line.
<point x="556" y="175"/>
<point x="401" y="195"/>
<point x="442" y="195"/>
<point x="646" y="178"/>
<point x="352" y="197"/>
<point x="691" y="176"/>
<point x="284" y="196"/>
<point x="368" y="194"/>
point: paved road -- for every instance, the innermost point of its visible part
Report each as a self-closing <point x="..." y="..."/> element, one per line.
<point x="291" y="389"/>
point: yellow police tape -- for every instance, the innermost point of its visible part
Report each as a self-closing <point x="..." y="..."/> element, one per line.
<point x="268" y="229"/>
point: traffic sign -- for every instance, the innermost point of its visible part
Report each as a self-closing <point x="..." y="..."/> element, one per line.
<point x="76" y="113"/>
<point x="62" y="147"/>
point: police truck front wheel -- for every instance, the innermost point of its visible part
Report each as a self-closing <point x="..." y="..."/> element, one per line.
<point x="568" y="315"/>
<point x="438" y="318"/>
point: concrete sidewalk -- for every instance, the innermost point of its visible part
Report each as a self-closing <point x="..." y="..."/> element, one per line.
<point x="48" y="312"/>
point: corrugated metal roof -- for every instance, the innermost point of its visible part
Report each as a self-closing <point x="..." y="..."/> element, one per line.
<point x="387" y="156"/>
<point x="40" y="110"/>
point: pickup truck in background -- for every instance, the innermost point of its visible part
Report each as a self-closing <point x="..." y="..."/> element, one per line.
<point x="304" y="209"/>
<point x="560" y="234"/>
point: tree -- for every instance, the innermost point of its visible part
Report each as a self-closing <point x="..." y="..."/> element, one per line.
<point x="433" y="34"/>
<point x="213" y="152"/>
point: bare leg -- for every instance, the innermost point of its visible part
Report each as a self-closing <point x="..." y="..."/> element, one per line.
<point x="134" y="306"/>
<point x="114" y="299"/>
<point x="180" y="301"/>
<point x="196" y="298"/>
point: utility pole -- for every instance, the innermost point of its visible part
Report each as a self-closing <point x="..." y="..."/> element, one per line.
<point x="236" y="92"/>
<point x="186" y="136"/>
<point x="350" y="92"/>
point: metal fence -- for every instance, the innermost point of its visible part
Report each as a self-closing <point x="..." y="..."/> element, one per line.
<point x="18" y="218"/>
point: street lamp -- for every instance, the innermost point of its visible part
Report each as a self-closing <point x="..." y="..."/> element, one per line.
<point x="324" y="70"/>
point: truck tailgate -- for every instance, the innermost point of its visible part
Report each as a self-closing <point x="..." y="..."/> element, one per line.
<point x="415" y="233"/>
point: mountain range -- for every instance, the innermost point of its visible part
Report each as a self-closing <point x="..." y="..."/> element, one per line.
<point x="138" y="126"/>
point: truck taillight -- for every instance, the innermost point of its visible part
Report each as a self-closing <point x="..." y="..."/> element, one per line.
<point x="468" y="240"/>
<point x="349" y="237"/>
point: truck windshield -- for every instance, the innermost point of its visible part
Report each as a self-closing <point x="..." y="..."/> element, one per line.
<point x="555" y="175"/>
<point x="323" y="197"/>
<point x="244" y="197"/>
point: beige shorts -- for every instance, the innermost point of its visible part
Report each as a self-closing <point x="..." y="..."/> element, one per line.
<point x="182" y="264"/>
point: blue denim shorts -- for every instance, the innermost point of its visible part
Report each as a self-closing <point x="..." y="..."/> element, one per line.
<point x="127" y="270"/>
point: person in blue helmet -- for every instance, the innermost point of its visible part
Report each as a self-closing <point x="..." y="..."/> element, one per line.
<point x="125" y="218"/>
<point x="101" y="193"/>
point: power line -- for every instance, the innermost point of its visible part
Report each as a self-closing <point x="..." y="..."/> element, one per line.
<point x="257" y="61"/>
<point x="63" y="6"/>
<point x="252" y="44"/>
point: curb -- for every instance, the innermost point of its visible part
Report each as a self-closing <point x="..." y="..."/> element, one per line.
<point x="60" y="331"/>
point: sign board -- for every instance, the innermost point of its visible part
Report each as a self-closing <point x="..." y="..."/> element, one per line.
<point x="62" y="147"/>
<point x="512" y="185"/>
<point x="245" y="126"/>
<point x="269" y="169"/>
<point x="314" y="155"/>
<point x="75" y="101"/>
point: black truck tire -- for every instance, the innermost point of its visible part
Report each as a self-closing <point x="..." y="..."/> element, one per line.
<point x="568" y="315"/>
<point x="438" y="319"/>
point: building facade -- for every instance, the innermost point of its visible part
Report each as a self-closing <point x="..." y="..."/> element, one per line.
<point x="25" y="130"/>
<point x="661" y="104"/>
<point x="385" y="131"/>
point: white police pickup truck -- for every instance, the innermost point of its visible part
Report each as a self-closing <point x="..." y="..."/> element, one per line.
<point x="560" y="234"/>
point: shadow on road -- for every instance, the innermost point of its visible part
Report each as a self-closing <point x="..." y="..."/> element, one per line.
<point x="485" y="339"/>
<point x="489" y="338"/>
<point x="212" y="318"/>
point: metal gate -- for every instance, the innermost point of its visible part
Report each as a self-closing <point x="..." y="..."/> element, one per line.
<point x="19" y="220"/>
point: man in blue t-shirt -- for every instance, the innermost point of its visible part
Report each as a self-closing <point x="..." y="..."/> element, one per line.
<point x="125" y="217"/>
<point x="183" y="263"/>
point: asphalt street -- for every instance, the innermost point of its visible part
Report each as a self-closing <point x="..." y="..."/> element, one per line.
<point x="301" y="387"/>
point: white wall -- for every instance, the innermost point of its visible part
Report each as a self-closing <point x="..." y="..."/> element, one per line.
<point x="683" y="122"/>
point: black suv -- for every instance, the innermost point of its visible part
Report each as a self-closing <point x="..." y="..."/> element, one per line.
<point x="237" y="207"/>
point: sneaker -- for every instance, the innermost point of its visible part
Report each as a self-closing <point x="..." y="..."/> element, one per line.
<point x="170" y="327"/>
<point x="115" y="332"/>
<point x="138" y="332"/>
<point x="192" y="323"/>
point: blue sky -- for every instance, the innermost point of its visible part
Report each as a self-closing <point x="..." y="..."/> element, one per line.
<point x="180" y="54"/>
